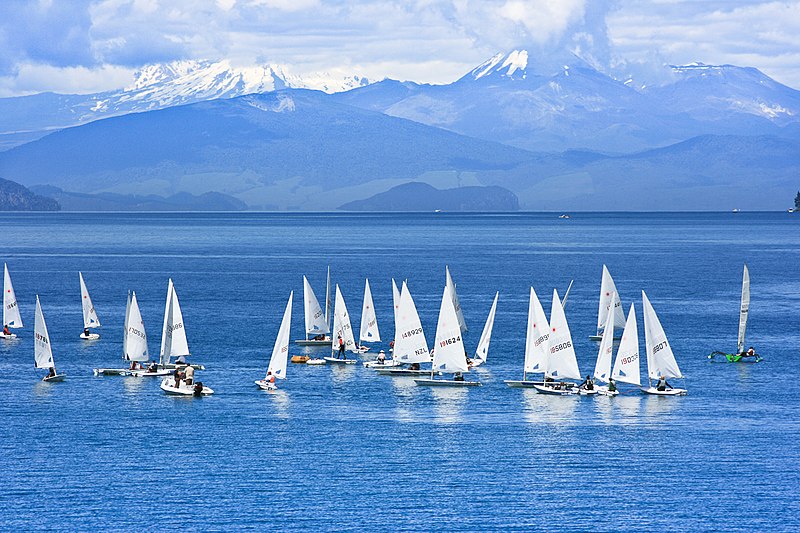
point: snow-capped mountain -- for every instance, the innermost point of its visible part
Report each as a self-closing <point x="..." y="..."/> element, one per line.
<point x="160" y="86"/>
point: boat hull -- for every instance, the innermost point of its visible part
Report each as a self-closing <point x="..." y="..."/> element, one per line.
<point x="669" y="392"/>
<point x="523" y="384"/>
<point x="312" y="342"/>
<point x="389" y="363"/>
<point x="111" y="371"/>
<point x="266" y="385"/>
<point x="598" y="338"/>
<point x="446" y="383"/>
<point x="334" y="360"/>
<point x="316" y="362"/>
<point x="734" y="358"/>
<point x="9" y="336"/>
<point x="403" y="372"/>
<point x="551" y="390"/>
<point x="168" y="386"/>
<point x="90" y="336"/>
<point x="55" y="379"/>
<point x="160" y="373"/>
<point x="173" y="366"/>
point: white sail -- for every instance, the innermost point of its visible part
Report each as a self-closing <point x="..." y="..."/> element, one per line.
<point x="90" y="319"/>
<point x="135" y="348"/>
<point x="11" y="316"/>
<point x="410" y="345"/>
<point x="173" y="335"/>
<point x="626" y="366"/>
<point x="280" y="353"/>
<point x="42" y="352"/>
<point x="608" y="297"/>
<point x="602" y="369"/>
<point x="744" y="309"/>
<point x="395" y="304"/>
<point x="456" y="304"/>
<point x="537" y="337"/>
<point x="341" y="324"/>
<point x="561" y="360"/>
<point x="316" y="318"/>
<point x="125" y="325"/>
<point x="482" y="351"/>
<point x="369" y="321"/>
<point x="660" y="359"/>
<point x="449" y="354"/>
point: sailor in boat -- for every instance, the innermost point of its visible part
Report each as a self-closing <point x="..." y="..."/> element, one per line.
<point x="181" y="360"/>
<point x="152" y="367"/>
<point x="51" y="373"/>
<point x="177" y="375"/>
<point x="188" y="375"/>
<point x="750" y="353"/>
<point x="6" y="330"/>
<point x="341" y="354"/>
<point x="270" y="378"/>
<point x="458" y="376"/>
<point x="135" y="365"/>
<point x="86" y="332"/>
<point x="588" y="383"/>
<point x="381" y="358"/>
<point x="413" y="366"/>
<point x="662" y="384"/>
<point x="612" y="386"/>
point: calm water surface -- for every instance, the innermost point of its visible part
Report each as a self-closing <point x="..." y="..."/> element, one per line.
<point x="344" y="449"/>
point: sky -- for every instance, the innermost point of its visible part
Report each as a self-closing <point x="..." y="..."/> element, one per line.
<point x="83" y="46"/>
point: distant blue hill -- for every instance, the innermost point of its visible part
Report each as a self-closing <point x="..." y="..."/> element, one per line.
<point x="423" y="197"/>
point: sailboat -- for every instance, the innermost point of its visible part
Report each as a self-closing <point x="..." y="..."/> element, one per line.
<point x="42" y="351"/>
<point x="317" y="320"/>
<point x="175" y="344"/>
<point x="410" y="346"/>
<point x="134" y="344"/>
<point x="536" y="344"/>
<point x="280" y="352"/>
<point x="342" y="332"/>
<point x="482" y="351"/>
<point x="90" y="318"/>
<point x="608" y="298"/>
<point x="626" y="365"/>
<point x="456" y="304"/>
<point x="381" y="361"/>
<point x="369" y="321"/>
<point x="741" y="356"/>
<point x="11" y="316"/>
<point x="660" y="359"/>
<point x="605" y="352"/>
<point x="449" y="355"/>
<point x="561" y="362"/>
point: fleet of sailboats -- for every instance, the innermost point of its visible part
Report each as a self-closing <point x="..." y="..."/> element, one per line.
<point x="410" y="346"/>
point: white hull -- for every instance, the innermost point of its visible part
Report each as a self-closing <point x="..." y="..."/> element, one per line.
<point x="334" y="360"/>
<point x="111" y="371"/>
<point x="53" y="379"/>
<point x="523" y="384"/>
<point x="584" y="392"/>
<point x="168" y="386"/>
<point x="312" y="342"/>
<point x="266" y="385"/>
<point x="570" y="389"/>
<point x="446" y="383"/>
<point x="9" y="336"/>
<point x="173" y="366"/>
<point x="404" y="372"/>
<point x="386" y="364"/>
<point x="145" y="374"/>
<point x="90" y="336"/>
<point x="316" y="362"/>
<point x="603" y="391"/>
<point x="668" y="392"/>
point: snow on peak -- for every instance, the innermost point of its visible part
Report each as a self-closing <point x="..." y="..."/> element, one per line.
<point x="503" y="65"/>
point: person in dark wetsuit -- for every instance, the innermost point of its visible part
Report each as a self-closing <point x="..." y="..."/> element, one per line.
<point x="588" y="383"/>
<point x="662" y="384"/>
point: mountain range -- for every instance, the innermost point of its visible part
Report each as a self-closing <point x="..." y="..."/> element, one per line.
<point x="715" y="137"/>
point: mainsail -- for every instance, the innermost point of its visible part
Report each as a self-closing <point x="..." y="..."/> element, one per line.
<point x="744" y="309"/>
<point x="369" y="321"/>
<point x="410" y="345"/>
<point x="482" y="351"/>
<point x="602" y="369"/>
<point x="90" y="319"/>
<point x="280" y="353"/>
<point x="609" y="297"/>
<point x="456" y="304"/>
<point x="11" y="316"/>
<point x="341" y="324"/>
<point x="42" y="352"/>
<point x="316" y="318"/>
<point x="448" y="355"/>
<point x="135" y="338"/>
<point x="537" y="336"/>
<point x="626" y="366"/>
<point x="561" y="359"/>
<point x="660" y="359"/>
<point x="173" y="334"/>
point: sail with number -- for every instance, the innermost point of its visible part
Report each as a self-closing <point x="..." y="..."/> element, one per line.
<point x="626" y="366"/>
<point x="341" y="324"/>
<point x="448" y="354"/>
<point x="456" y="304"/>
<point x="561" y="359"/>
<point x="11" y="316"/>
<point x="410" y="345"/>
<point x="660" y="359"/>
<point x="42" y="352"/>
<point x="537" y="337"/>
<point x="369" y="321"/>
<point x="744" y="309"/>
<point x="608" y="297"/>
<point x="90" y="318"/>
<point x="173" y="334"/>
<point x="482" y="351"/>
<point x="280" y="353"/>
<point x="602" y="369"/>
<point x="135" y="337"/>
<point x="316" y="318"/>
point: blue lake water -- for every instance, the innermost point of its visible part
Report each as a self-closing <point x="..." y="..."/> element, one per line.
<point x="344" y="449"/>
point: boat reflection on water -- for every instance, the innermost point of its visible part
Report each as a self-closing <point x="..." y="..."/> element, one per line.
<point x="550" y="410"/>
<point x="448" y="403"/>
<point x="281" y="402"/>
